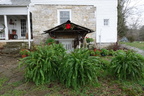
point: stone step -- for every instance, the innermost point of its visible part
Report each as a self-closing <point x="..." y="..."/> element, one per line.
<point x="10" y="50"/>
<point x="13" y="47"/>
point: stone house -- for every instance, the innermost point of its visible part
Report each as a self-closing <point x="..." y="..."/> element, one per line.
<point x="26" y="20"/>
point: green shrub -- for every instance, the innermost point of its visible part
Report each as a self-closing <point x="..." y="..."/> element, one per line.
<point x="24" y="52"/>
<point x="119" y="52"/>
<point x="131" y="38"/>
<point x="50" y="41"/>
<point x="78" y="69"/>
<point x="127" y="65"/>
<point x="42" y="64"/>
<point x="104" y="52"/>
<point x="97" y="52"/>
<point x="88" y="40"/>
<point x="112" y="52"/>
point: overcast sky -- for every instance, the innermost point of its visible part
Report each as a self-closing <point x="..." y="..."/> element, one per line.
<point x="138" y="11"/>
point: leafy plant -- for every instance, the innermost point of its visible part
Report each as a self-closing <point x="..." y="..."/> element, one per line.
<point x="119" y="52"/>
<point x="111" y="52"/>
<point x="104" y="52"/>
<point x="127" y="65"/>
<point x="96" y="52"/>
<point x="24" y="52"/>
<point x="88" y="40"/>
<point x="50" y="41"/>
<point x="42" y="65"/>
<point x="2" y="30"/>
<point x="78" y="69"/>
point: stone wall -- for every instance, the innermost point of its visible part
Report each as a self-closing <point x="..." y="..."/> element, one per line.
<point x="2" y="44"/>
<point x="45" y="16"/>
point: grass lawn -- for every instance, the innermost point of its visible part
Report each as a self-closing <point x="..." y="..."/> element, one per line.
<point x="106" y="87"/>
<point x="139" y="45"/>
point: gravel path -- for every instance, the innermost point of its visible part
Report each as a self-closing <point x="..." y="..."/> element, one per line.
<point x="139" y="51"/>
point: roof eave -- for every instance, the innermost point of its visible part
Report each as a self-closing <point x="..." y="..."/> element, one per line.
<point x="5" y="5"/>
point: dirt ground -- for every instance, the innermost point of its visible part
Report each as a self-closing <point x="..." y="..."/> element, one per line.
<point x="12" y="81"/>
<point x="9" y="66"/>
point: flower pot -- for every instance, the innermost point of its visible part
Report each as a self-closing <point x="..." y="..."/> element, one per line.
<point x="24" y="52"/>
<point x="94" y="49"/>
<point x="23" y="56"/>
<point x="26" y="35"/>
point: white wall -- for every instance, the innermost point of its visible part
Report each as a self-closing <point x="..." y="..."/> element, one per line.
<point x="105" y="9"/>
<point x="5" y="2"/>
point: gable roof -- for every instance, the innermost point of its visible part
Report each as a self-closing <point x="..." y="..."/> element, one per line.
<point x="15" y="2"/>
<point x="74" y="28"/>
<point x="70" y="29"/>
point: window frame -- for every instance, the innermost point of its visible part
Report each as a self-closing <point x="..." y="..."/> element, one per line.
<point x="22" y="26"/>
<point x="58" y="12"/>
<point x="106" y="23"/>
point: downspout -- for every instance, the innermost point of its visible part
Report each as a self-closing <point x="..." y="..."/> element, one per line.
<point x="29" y="31"/>
<point x="6" y="27"/>
<point x="95" y="26"/>
<point x="100" y="39"/>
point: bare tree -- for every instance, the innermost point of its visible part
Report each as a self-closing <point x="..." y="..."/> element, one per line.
<point x="122" y="28"/>
<point x="125" y="11"/>
<point x="141" y="33"/>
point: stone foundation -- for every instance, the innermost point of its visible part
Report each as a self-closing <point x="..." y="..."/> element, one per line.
<point x="2" y="44"/>
<point x="103" y="45"/>
<point x="12" y="47"/>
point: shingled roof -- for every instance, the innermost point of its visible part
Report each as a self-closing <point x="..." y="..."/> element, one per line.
<point x="20" y="2"/>
<point x="15" y="2"/>
<point x="68" y="28"/>
<point x="76" y="28"/>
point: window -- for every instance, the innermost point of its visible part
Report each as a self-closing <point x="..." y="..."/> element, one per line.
<point x="106" y="22"/>
<point x="63" y="16"/>
<point x="23" y="27"/>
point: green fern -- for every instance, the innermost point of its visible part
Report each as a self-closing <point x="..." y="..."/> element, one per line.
<point x="78" y="69"/>
<point x="127" y="65"/>
<point x="42" y="64"/>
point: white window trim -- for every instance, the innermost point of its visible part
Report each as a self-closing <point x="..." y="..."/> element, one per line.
<point x="58" y="12"/>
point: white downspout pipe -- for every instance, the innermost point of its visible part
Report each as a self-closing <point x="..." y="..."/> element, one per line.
<point x="100" y="39"/>
<point x="95" y="41"/>
<point x="29" y="31"/>
<point x="6" y="27"/>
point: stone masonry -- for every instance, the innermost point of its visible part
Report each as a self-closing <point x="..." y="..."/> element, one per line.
<point x="45" y="17"/>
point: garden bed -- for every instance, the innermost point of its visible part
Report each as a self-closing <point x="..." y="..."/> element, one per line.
<point x="12" y="82"/>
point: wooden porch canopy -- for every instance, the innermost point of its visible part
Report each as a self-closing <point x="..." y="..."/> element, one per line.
<point x="68" y="30"/>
